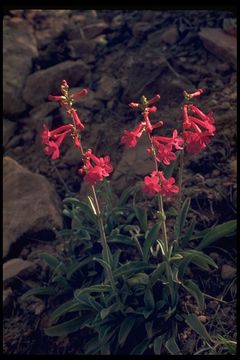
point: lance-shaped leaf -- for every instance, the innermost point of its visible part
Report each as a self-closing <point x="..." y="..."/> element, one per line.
<point x="172" y="347"/>
<point x="194" y="290"/>
<point x="181" y="219"/>
<point x="66" y="327"/>
<point x="195" y="324"/>
<point x="125" y="329"/>
<point x="152" y="236"/>
<point x="218" y="232"/>
<point x="141" y="214"/>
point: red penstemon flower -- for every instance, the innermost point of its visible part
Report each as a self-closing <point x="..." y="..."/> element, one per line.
<point x="157" y="183"/>
<point x="130" y="137"/>
<point x="95" y="173"/>
<point x="202" y="128"/>
<point x="165" y="154"/>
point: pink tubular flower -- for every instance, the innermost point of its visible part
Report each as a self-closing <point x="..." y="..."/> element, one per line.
<point x="79" y="94"/>
<point x="186" y="121"/>
<point x="175" y="140"/>
<point x="95" y="173"/>
<point x="149" y="127"/>
<point x="157" y="183"/>
<point x="165" y="154"/>
<point x="78" y="123"/>
<point x="134" y="105"/>
<point x="151" y="185"/>
<point x="130" y="137"/>
<point x="196" y="141"/>
<point x="190" y="96"/>
<point x="154" y="99"/>
<point x="53" y="139"/>
<point x="168" y="188"/>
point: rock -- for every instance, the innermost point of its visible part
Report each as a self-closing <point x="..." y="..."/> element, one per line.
<point x="28" y="135"/>
<point x="8" y="130"/>
<point x="45" y="82"/>
<point x="228" y="272"/>
<point x="7" y="299"/>
<point x="19" y="49"/>
<point x="108" y="87"/>
<point x="15" y="141"/>
<point x="17" y="267"/>
<point x="72" y="157"/>
<point x="43" y="110"/>
<point x="80" y="48"/>
<point x="224" y="105"/>
<point x="134" y="164"/>
<point x="222" y="45"/>
<point x="87" y="32"/>
<point x="170" y="36"/>
<point x="30" y="203"/>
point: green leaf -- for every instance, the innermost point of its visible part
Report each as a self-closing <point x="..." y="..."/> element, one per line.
<point x="154" y="277"/>
<point x="125" y="329"/>
<point x="83" y="207"/>
<point x="125" y="195"/>
<point x="51" y="260"/>
<point x="91" y="289"/>
<point x="195" y="324"/>
<point x="157" y="344"/>
<point x="93" y="346"/>
<point x="140" y="348"/>
<point x="194" y="290"/>
<point x="49" y="290"/>
<point x="92" y="205"/>
<point x="78" y="265"/>
<point x="196" y="257"/>
<point x="138" y="279"/>
<point x="106" y="311"/>
<point x="181" y="219"/>
<point x="141" y="214"/>
<point x="188" y="236"/>
<point x="150" y="238"/>
<point x="68" y="306"/>
<point x="122" y="239"/>
<point x="65" y="328"/>
<point x="104" y="264"/>
<point x="132" y="268"/>
<point x="218" y="232"/>
<point x="149" y="299"/>
<point x="172" y="347"/>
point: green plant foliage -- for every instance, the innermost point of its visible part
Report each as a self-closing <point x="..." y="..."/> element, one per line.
<point x="218" y="232"/>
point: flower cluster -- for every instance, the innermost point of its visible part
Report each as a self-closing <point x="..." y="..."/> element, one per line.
<point x="52" y="140"/>
<point x="129" y="139"/>
<point x="161" y="148"/>
<point x="157" y="183"/>
<point x="198" y="127"/>
<point x="95" y="168"/>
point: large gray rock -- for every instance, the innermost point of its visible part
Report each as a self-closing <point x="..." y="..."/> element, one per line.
<point x="16" y="267"/>
<point x="8" y="130"/>
<point x="45" y="82"/>
<point x="222" y="45"/>
<point x="19" y="48"/>
<point x="30" y="204"/>
<point x="133" y="166"/>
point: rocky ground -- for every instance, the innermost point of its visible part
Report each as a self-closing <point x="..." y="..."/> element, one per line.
<point x="118" y="55"/>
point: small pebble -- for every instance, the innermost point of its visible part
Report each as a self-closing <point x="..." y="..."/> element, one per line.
<point x="228" y="272"/>
<point x="216" y="173"/>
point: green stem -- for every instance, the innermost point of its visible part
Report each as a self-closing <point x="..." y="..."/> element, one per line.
<point x="160" y="203"/>
<point x="106" y="250"/>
